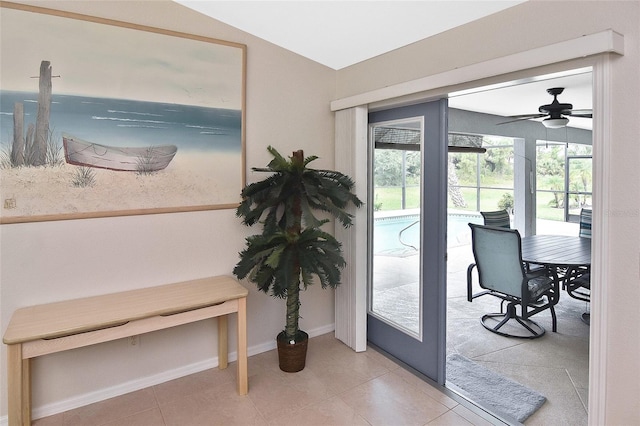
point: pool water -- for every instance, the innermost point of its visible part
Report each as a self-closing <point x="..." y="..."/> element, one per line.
<point x="389" y="242"/>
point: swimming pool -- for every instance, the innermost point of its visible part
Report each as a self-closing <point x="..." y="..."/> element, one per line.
<point x="387" y="228"/>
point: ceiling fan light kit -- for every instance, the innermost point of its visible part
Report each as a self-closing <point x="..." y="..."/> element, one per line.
<point x="555" y="112"/>
<point x="555" y="123"/>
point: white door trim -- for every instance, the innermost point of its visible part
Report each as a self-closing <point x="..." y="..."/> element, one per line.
<point x="351" y="158"/>
<point x="601" y="45"/>
<point x="600" y="267"/>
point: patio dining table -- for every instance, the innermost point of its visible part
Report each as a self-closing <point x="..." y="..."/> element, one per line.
<point x="564" y="253"/>
<point x="557" y="250"/>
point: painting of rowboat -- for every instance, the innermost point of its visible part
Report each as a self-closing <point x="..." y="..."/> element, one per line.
<point x="146" y="159"/>
<point x="112" y="119"/>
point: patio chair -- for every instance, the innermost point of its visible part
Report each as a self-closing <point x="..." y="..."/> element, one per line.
<point x="580" y="286"/>
<point x="501" y="273"/>
<point x="585" y="223"/>
<point x="499" y="218"/>
<point x="578" y="281"/>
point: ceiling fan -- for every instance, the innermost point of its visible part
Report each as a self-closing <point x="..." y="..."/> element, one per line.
<point x="555" y="112"/>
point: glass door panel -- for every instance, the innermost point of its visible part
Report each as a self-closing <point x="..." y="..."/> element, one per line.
<point x="395" y="296"/>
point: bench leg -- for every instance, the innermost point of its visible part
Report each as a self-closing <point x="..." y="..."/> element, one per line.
<point x="19" y="389"/>
<point x="243" y="378"/>
<point x="223" y="339"/>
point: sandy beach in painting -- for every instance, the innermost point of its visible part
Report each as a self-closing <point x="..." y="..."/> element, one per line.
<point x="191" y="179"/>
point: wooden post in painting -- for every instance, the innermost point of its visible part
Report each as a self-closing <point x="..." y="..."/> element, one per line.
<point x="39" y="153"/>
<point x="28" y="145"/>
<point x="17" y="149"/>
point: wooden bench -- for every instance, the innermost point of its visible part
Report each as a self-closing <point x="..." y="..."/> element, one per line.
<point x="54" y="327"/>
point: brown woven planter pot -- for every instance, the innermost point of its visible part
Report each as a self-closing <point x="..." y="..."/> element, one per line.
<point x="292" y="356"/>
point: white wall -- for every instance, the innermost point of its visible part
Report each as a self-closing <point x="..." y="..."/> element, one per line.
<point x="287" y="107"/>
<point x="530" y="25"/>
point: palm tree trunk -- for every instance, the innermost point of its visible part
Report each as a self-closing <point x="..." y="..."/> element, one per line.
<point x="293" y="289"/>
<point x="454" y="190"/>
<point x="293" y="310"/>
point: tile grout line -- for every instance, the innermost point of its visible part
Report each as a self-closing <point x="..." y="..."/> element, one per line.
<point x="575" y="388"/>
<point x="155" y="395"/>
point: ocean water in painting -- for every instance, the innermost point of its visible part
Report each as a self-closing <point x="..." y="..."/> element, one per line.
<point x="129" y="123"/>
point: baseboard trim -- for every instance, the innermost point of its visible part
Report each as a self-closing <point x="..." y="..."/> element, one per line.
<point x="145" y="382"/>
<point x="124" y="388"/>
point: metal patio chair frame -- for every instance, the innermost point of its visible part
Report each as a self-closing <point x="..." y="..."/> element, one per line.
<point x="502" y="274"/>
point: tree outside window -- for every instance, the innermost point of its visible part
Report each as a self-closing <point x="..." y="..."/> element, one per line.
<point x="480" y="182"/>
<point x="563" y="180"/>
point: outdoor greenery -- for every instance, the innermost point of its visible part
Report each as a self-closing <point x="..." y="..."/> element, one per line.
<point x="387" y="167"/>
<point x="506" y="202"/>
<point x="551" y="177"/>
<point x="489" y="178"/>
<point x="495" y="167"/>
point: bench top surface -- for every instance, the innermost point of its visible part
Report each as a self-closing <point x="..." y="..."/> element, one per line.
<point x="75" y="316"/>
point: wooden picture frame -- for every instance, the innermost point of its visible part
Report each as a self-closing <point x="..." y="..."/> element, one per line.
<point x="105" y="118"/>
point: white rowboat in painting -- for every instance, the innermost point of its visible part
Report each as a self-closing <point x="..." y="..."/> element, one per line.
<point x="88" y="154"/>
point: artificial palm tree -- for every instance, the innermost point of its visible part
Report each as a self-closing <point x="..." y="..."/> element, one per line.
<point x="292" y="248"/>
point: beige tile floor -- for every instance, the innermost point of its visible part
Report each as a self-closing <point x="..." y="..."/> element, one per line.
<point x="337" y="387"/>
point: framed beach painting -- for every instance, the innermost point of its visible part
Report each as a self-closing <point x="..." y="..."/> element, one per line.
<point x="104" y="118"/>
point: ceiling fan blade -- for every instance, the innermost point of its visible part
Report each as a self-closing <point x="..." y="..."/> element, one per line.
<point x="522" y="117"/>
<point x="536" y="115"/>
<point x="587" y="113"/>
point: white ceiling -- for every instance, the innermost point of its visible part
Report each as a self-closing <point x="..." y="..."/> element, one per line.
<point x="524" y="97"/>
<point x="342" y="33"/>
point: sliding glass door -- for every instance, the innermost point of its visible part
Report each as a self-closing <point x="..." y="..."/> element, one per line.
<point x="407" y="202"/>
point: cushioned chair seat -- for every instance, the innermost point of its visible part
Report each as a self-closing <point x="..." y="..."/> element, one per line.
<point x="538" y="286"/>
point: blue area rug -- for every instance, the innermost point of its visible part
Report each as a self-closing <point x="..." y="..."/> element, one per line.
<point x="492" y="391"/>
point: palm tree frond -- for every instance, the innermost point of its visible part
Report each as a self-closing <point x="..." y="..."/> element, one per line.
<point x="292" y="251"/>
<point x="310" y="159"/>
<point x="279" y="163"/>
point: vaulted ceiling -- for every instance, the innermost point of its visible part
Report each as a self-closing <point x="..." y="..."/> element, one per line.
<point x="341" y="33"/>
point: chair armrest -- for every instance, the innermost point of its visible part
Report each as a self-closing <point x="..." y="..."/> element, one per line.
<point x="538" y="272"/>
